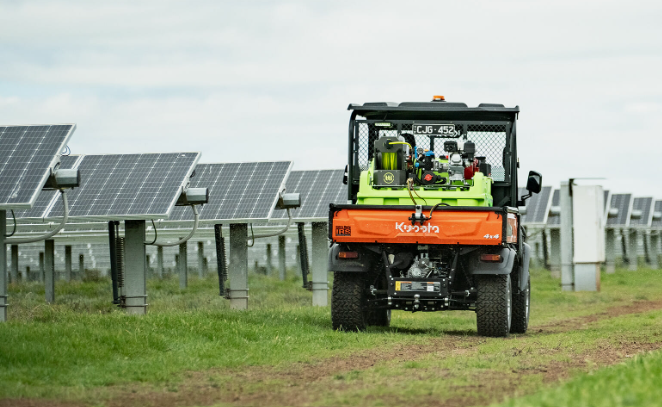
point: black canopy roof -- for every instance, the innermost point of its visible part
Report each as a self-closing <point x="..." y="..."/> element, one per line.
<point x="434" y="110"/>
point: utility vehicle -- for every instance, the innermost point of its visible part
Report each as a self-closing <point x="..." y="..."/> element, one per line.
<point x="433" y="223"/>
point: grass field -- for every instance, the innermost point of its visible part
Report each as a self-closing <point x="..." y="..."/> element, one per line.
<point x="192" y="350"/>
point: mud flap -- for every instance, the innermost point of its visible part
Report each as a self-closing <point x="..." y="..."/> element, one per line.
<point x="505" y="267"/>
<point x="363" y="264"/>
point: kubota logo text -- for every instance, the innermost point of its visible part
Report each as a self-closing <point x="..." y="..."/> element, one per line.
<point x="411" y="228"/>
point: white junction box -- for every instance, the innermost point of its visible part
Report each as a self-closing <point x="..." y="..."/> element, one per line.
<point x="589" y="236"/>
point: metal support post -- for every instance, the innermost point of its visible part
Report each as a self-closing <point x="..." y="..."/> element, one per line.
<point x="567" y="273"/>
<point x="269" y="265"/>
<point x="633" y="250"/>
<point x="298" y="258"/>
<point x="67" y="263"/>
<point x="238" y="292"/>
<point x="555" y="258"/>
<point x="303" y="254"/>
<point x="3" y="267"/>
<point x="545" y="250"/>
<point x="42" y="272"/>
<point x="159" y="261"/>
<point x="281" y="257"/>
<point x="320" y="249"/>
<point x="183" y="265"/>
<point x="610" y="251"/>
<point x="221" y="263"/>
<point x="49" y="268"/>
<point x="148" y="263"/>
<point x="14" y="263"/>
<point x="645" y="234"/>
<point x="201" y="259"/>
<point x="135" y="282"/>
<point x="654" y="250"/>
<point x="81" y="266"/>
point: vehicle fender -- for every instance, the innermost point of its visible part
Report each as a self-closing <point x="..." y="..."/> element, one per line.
<point x="505" y="267"/>
<point x="361" y="265"/>
<point x="523" y="270"/>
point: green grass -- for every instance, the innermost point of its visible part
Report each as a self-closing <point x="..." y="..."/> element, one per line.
<point x="632" y="383"/>
<point x="70" y="349"/>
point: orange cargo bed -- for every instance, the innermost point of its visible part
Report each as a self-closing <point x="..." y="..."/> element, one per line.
<point x="448" y="226"/>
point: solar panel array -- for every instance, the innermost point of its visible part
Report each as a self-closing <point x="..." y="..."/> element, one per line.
<point x="318" y="189"/>
<point x="645" y="205"/>
<point x="26" y="155"/>
<point x="238" y="192"/>
<point x="624" y="204"/>
<point x="537" y="207"/>
<point x="657" y="223"/>
<point x="128" y="186"/>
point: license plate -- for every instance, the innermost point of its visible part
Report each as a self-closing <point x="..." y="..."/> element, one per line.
<point x="429" y="286"/>
<point x="444" y="130"/>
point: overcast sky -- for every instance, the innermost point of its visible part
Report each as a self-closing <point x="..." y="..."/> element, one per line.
<point x="262" y="80"/>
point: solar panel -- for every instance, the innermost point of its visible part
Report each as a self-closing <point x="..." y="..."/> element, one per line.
<point x="238" y="192"/>
<point x="46" y="199"/>
<point x="27" y="153"/>
<point x="624" y="204"/>
<point x="645" y="205"/>
<point x="537" y="207"/>
<point x="128" y="186"/>
<point x="318" y="189"/>
<point x="552" y="219"/>
<point x="657" y="223"/>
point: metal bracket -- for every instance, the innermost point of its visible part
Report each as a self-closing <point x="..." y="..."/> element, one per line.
<point x="418" y="216"/>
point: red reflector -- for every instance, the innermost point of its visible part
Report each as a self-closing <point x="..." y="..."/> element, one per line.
<point x="490" y="257"/>
<point x="428" y="177"/>
<point x="348" y="255"/>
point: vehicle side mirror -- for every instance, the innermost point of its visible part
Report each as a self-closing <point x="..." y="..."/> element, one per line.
<point x="534" y="183"/>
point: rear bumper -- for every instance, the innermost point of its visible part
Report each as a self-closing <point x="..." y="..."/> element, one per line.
<point x="484" y="226"/>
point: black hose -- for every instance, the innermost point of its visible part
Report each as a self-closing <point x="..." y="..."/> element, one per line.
<point x="13" y="231"/>
<point x="435" y="207"/>
<point x="156" y="233"/>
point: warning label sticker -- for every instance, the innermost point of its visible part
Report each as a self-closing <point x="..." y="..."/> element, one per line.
<point x="429" y="286"/>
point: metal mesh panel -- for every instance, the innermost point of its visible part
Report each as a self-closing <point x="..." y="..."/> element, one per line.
<point x="490" y="140"/>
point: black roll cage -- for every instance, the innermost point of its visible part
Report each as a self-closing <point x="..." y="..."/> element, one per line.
<point x="505" y="192"/>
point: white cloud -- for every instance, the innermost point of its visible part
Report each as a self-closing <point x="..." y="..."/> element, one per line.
<point x="271" y="80"/>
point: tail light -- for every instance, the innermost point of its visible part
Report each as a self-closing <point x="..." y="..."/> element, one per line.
<point x="348" y="255"/>
<point x="490" y="258"/>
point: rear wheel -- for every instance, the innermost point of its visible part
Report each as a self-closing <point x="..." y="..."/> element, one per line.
<point x="348" y="302"/>
<point x="493" y="305"/>
<point x="521" y="309"/>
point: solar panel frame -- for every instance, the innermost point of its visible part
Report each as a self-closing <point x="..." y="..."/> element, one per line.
<point x="537" y="207"/>
<point x="223" y="177"/>
<point x="657" y="224"/>
<point x="102" y="163"/>
<point x="624" y="204"/>
<point x="645" y="204"/>
<point x="55" y="151"/>
<point x="318" y="189"/>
